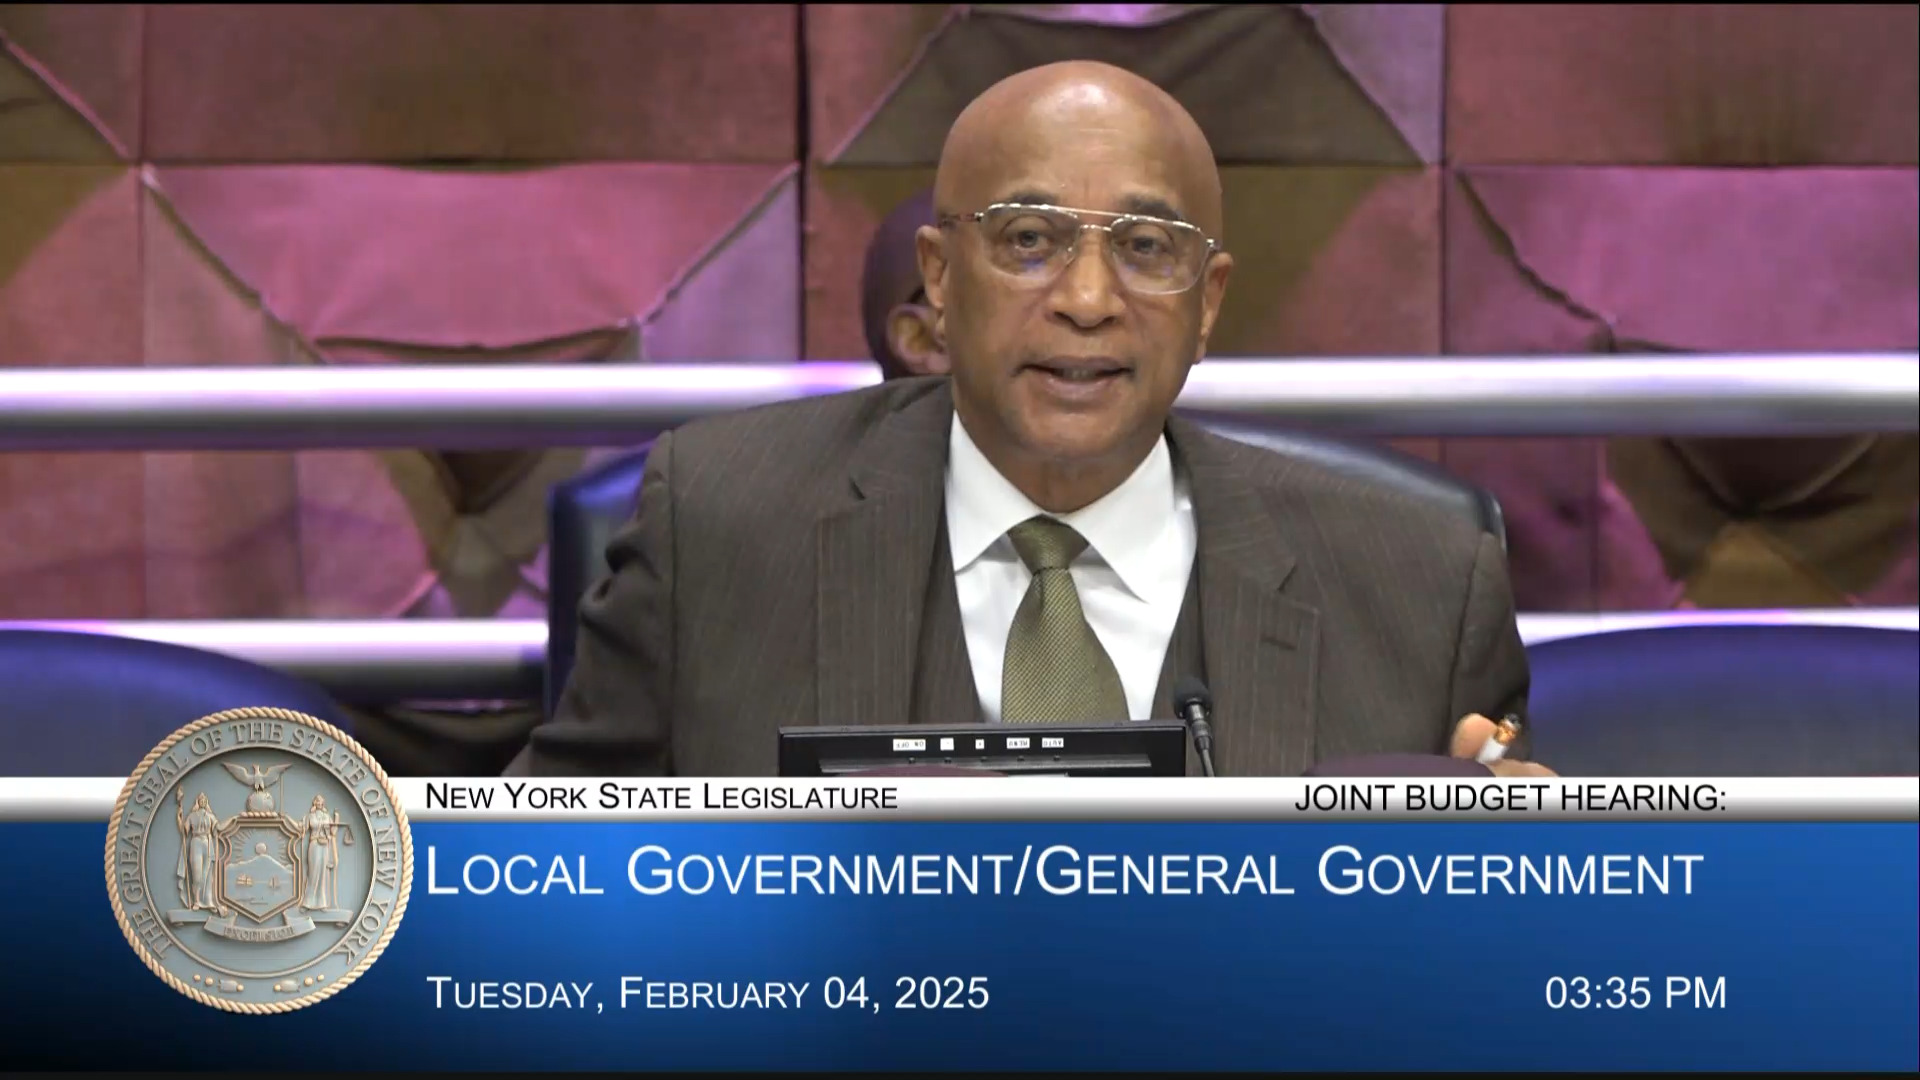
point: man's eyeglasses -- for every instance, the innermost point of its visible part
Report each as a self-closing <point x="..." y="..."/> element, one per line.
<point x="1035" y="243"/>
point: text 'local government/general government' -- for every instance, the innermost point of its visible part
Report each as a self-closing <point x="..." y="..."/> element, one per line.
<point x="1062" y="870"/>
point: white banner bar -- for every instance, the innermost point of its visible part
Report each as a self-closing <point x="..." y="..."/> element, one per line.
<point x="1044" y="798"/>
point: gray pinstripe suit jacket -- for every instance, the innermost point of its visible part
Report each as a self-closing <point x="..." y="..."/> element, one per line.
<point x="784" y="568"/>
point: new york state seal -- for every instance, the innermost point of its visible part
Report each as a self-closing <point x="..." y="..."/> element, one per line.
<point x="258" y="860"/>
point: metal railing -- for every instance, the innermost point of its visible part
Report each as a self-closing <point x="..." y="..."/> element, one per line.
<point x="508" y="406"/>
<point x="492" y="407"/>
<point x="372" y="661"/>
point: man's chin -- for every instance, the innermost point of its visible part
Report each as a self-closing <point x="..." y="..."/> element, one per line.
<point x="1074" y="440"/>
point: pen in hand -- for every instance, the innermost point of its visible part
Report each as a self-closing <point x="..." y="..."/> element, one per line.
<point x="1505" y="734"/>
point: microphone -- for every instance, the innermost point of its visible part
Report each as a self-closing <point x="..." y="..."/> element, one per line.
<point x="1192" y="703"/>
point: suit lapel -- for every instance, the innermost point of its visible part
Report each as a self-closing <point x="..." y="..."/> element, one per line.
<point x="1185" y="655"/>
<point x="1260" y="645"/>
<point x="943" y="686"/>
<point x="875" y="552"/>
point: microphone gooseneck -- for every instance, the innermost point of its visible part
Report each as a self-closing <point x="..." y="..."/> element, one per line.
<point x="1193" y="704"/>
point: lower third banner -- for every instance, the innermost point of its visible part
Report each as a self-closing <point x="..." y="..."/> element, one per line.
<point x="996" y="946"/>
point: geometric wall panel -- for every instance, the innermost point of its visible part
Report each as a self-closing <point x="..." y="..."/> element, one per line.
<point x="73" y="541"/>
<point x="70" y="77"/>
<point x="566" y="264"/>
<point x="69" y="275"/>
<point x="1268" y="83"/>
<point x="1772" y="522"/>
<point x="855" y="53"/>
<point x="431" y="82"/>
<point x="1331" y="262"/>
<point x="1570" y="259"/>
<point x="844" y="208"/>
<point x="1630" y="524"/>
<point x="756" y="262"/>
<point x="1684" y="84"/>
<point x="75" y="536"/>
<point x="487" y="260"/>
<point x="240" y="535"/>
<point x="1691" y="259"/>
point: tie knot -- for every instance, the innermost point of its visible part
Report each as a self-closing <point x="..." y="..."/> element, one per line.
<point x="1046" y="544"/>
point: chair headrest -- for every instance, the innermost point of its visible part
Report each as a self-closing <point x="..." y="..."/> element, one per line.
<point x="1728" y="700"/>
<point x="83" y="704"/>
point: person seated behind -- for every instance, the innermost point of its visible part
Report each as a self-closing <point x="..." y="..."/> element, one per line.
<point x="1036" y="538"/>
<point x="893" y="303"/>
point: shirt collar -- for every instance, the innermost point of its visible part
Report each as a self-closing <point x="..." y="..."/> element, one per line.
<point x="1129" y="528"/>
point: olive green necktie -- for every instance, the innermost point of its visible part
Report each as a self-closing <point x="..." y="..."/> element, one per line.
<point x="1056" y="671"/>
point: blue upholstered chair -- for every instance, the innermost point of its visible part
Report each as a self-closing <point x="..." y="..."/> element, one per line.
<point x="1741" y="700"/>
<point x="80" y="704"/>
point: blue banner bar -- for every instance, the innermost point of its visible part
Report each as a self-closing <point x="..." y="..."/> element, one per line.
<point x="997" y="946"/>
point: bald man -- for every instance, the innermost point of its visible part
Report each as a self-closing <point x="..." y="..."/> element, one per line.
<point x="1035" y="538"/>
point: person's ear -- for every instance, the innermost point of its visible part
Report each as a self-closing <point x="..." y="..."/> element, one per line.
<point x="930" y="252"/>
<point x="1213" y="290"/>
<point x="914" y="341"/>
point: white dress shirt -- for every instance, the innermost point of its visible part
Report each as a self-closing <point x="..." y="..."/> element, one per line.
<point x="1132" y="578"/>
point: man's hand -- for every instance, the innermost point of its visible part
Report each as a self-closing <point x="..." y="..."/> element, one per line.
<point x="1472" y="732"/>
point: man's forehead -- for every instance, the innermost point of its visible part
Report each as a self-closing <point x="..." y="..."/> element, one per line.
<point x="1145" y="202"/>
<point x="1120" y="167"/>
<point x="1094" y="142"/>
